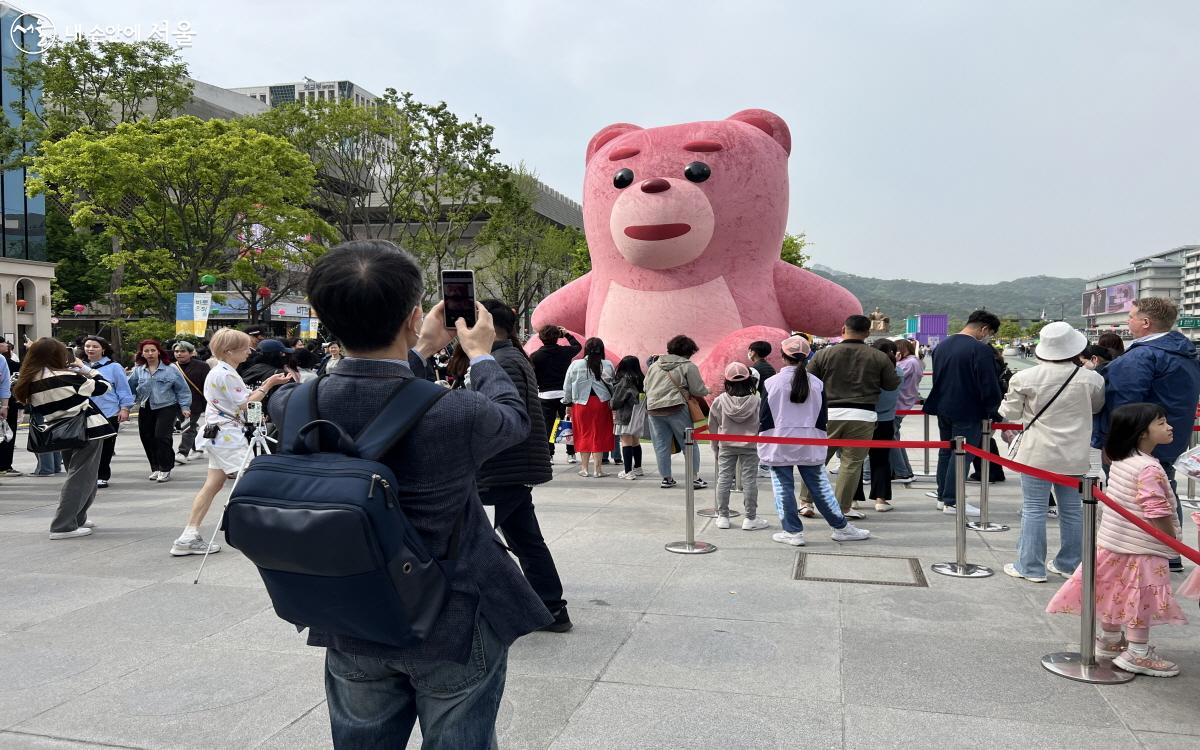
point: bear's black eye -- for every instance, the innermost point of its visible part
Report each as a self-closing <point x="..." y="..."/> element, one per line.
<point x="623" y="178"/>
<point x="697" y="171"/>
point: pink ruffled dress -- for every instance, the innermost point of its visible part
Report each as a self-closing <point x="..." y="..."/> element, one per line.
<point x="1131" y="590"/>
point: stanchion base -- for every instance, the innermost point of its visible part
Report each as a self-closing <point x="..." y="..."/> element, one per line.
<point x="691" y="548"/>
<point x="712" y="513"/>
<point x="977" y="526"/>
<point x="1190" y="502"/>
<point x="1070" y="664"/>
<point x="968" y="570"/>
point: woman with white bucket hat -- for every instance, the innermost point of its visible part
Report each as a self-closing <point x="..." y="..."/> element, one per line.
<point x="1055" y="402"/>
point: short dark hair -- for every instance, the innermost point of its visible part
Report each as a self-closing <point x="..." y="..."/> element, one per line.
<point x="682" y="346"/>
<point x="1126" y="426"/>
<point x="364" y="291"/>
<point x="887" y="346"/>
<point x="984" y="318"/>
<point x="1095" y="350"/>
<point x="761" y="349"/>
<point x="549" y="334"/>
<point x="858" y="324"/>
<point x="1112" y="342"/>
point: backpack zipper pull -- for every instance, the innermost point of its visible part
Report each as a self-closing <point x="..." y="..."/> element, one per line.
<point x="387" y="491"/>
<point x="371" y="491"/>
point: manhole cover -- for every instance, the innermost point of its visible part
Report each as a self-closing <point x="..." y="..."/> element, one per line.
<point x="877" y="569"/>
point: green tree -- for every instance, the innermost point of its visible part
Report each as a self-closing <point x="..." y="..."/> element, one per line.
<point x="279" y="264"/>
<point x="94" y="85"/>
<point x="178" y="194"/>
<point x="401" y="169"/>
<point x="531" y="256"/>
<point x="78" y="279"/>
<point x="793" y="250"/>
<point x="1009" y="330"/>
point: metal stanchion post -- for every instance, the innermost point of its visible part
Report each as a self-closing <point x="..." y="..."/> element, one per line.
<point x="689" y="546"/>
<point x="1191" y="501"/>
<point x="1083" y="666"/>
<point x="985" y="471"/>
<point x="960" y="568"/>
<point x="926" y="417"/>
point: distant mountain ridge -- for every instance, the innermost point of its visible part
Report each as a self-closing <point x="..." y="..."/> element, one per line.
<point x="1024" y="298"/>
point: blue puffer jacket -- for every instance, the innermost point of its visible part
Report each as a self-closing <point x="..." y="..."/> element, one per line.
<point x="1162" y="371"/>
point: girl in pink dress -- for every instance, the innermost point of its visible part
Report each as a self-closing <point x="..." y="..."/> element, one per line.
<point x="1133" y="583"/>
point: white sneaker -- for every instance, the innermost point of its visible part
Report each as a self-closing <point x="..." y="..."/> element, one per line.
<point x="181" y="458"/>
<point x="784" y="537"/>
<point x="754" y="524"/>
<point x="722" y="522"/>
<point x="1010" y="569"/>
<point x="856" y="514"/>
<point x="941" y="505"/>
<point x="572" y="460"/>
<point x="88" y="524"/>
<point x="1051" y="567"/>
<point x="764" y="473"/>
<point x="627" y="475"/>
<point x="154" y="476"/>
<point x="856" y="505"/>
<point x="81" y="531"/>
<point x="637" y="472"/>
<point x="971" y="510"/>
<point x="194" y="546"/>
<point x="850" y="533"/>
<point x="165" y="476"/>
<point x="932" y="494"/>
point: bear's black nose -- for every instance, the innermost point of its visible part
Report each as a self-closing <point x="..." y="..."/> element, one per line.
<point x="656" y="185"/>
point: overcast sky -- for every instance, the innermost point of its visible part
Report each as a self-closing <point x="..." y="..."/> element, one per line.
<point x="943" y="140"/>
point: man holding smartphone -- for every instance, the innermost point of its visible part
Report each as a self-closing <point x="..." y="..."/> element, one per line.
<point x="367" y="293"/>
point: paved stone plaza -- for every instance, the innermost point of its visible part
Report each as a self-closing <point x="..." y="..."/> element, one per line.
<point x="105" y="641"/>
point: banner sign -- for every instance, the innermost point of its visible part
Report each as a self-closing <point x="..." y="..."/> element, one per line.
<point x="308" y="328"/>
<point x="191" y="312"/>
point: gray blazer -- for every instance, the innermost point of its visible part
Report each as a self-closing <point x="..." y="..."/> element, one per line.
<point x="436" y="465"/>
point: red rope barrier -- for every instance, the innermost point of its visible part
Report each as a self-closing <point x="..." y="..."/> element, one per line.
<point x="1170" y="541"/>
<point x="1049" y="476"/>
<point x="1006" y="426"/>
<point x="909" y="412"/>
<point x="703" y="434"/>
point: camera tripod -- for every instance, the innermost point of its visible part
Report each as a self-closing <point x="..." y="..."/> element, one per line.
<point x="260" y="444"/>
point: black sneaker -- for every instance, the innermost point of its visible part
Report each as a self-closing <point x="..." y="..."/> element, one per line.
<point x="562" y="621"/>
<point x="667" y="483"/>
<point x="699" y="484"/>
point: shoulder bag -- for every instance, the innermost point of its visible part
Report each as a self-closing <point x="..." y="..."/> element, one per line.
<point x="697" y="407"/>
<point x="1012" y="449"/>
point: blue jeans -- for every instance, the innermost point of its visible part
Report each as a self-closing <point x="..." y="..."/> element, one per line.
<point x="662" y="430"/>
<point x="374" y="702"/>
<point x="1031" y="547"/>
<point x="901" y="468"/>
<point x="972" y="430"/>
<point x="817" y="482"/>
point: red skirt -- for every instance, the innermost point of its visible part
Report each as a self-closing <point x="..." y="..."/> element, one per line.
<point x="592" y="424"/>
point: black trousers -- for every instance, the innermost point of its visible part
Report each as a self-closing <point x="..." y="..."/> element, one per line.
<point x="880" y="460"/>
<point x="995" y="471"/>
<point x="6" y="449"/>
<point x="106" y="453"/>
<point x="552" y="409"/>
<point x="516" y="520"/>
<point x="156" y="429"/>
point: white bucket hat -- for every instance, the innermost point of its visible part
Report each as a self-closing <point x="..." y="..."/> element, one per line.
<point x="1060" y="341"/>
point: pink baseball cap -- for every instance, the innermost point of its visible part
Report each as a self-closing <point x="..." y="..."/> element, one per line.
<point x="735" y="371"/>
<point x="795" y="347"/>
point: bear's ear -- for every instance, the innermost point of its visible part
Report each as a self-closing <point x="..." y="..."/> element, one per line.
<point x="606" y="135"/>
<point x="769" y="123"/>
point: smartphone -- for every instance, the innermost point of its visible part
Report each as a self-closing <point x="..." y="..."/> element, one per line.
<point x="458" y="292"/>
<point x="254" y="412"/>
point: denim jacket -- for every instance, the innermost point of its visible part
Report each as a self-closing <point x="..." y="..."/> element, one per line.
<point x="119" y="396"/>
<point x="164" y="387"/>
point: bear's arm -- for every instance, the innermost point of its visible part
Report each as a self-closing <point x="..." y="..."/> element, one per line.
<point x="566" y="307"/>
<point x="811" y="303"/>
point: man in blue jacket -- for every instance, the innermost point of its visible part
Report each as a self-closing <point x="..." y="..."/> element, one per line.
<point x="966" y="390"/>
<point x="1159" y="367"/>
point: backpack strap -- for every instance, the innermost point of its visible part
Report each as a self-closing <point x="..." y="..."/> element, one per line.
<point x="403" y="409"/>
<point x="301" y="409"/>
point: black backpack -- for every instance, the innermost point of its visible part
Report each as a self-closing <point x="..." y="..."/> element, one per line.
<point x="322" y="522"/>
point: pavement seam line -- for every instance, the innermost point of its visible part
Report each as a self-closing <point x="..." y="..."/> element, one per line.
<point x="291" y="724"/>
<point x="72" y="740"/>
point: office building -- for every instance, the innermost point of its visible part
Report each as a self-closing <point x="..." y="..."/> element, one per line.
<point x="1107" y="297"/>
<point x="308" y="90"/>
<point x="25" y="271"/>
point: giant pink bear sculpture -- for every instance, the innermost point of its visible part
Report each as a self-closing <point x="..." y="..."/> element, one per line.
<point x="685" y="224"/>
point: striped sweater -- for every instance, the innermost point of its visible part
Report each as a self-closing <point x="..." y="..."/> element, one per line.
<point x="61" y="394"/>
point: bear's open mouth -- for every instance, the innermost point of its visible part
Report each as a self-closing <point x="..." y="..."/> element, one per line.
<point x="657" y="231"/>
